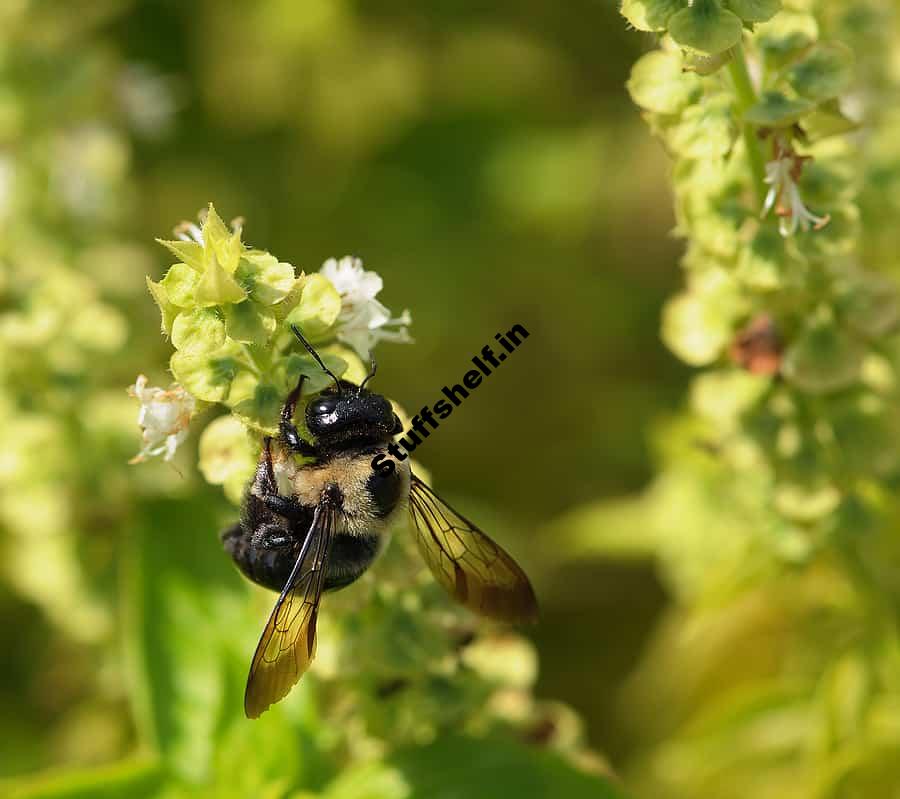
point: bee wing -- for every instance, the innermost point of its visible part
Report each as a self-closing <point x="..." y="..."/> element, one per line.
<point x="288" y="643"/>
<point x="473" y="569"/>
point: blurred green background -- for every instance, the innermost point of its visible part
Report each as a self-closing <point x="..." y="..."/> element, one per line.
<point x="483" y="158"/>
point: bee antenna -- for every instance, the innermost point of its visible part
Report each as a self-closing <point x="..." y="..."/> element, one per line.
<point x="371" y="374"/>
<point x="311" y="351"/>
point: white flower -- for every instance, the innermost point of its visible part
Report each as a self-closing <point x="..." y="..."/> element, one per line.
<point x="782" y="175"/>
<point x="164" y="418"/>
<point x="363" y="320"/>
<point x="188" y="231"/>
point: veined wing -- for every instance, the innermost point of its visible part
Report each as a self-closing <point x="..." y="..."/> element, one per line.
<point x="288" y="643"/>
<point x="475" y="570"/>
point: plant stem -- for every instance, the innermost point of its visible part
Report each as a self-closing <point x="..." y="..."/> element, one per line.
<point x="746" y="97"/>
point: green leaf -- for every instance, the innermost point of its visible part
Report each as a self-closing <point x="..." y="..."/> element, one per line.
<point x="775" y="110"/>
<point x="190" y="635"/>
<point x="216" y="286"/>
<point x="248" y="323"/>
<point x="433" y="772"/>
<point x="650" y="15"/>
<point x="705" y="27"/>
<point x="658" y="83"/>
<point x="208" y="375"/>
<point x="755" y="10"/>
<point x="824" y="73"/>
<point x="318" y="308"/>
<point x="200" y="330"/>
<point x="180" y="284"/>
<point x="266" y="279"/>
<point x="138" y="778"/>
<point x="188" y="252"/>
<point x="167" y="309"/>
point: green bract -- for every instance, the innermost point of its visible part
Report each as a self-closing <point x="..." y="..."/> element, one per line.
<point x="827" y="120"/>
<point x="651" y="15"/>
<point x="659" y="83"/>
<point x="705" y="27"/>
<point x="227" y="455"/>
<point x="755" y="10"/>
<point x="824" y="73"/>
<point x="228" y="310"/>
<point x="318" y="309"/>
<point x="775" y="110"/>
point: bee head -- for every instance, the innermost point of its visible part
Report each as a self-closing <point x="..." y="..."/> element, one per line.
<point x="345" y="412"/>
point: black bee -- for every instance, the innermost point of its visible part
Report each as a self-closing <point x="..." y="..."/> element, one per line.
<point x="331" y="521"/>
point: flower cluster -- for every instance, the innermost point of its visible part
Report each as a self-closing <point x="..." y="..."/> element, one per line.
<point x="228" y="309"/>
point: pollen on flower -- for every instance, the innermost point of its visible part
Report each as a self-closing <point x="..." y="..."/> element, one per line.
<point x="782" y="176"/>
<point x="363" y="321"/>
<point x="163" y="418"/>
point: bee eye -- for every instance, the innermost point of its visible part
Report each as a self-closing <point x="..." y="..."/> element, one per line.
<point x="322" y="406"/>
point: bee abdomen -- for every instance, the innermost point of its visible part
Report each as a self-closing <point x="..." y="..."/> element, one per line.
<point x="348" y="558"/>
<point x="268" y="567"/>
<point x="385" y="491"/>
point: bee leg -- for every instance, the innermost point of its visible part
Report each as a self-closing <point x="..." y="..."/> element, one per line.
<point x="270" y="536"/>
<point x="287" y="507"/>
<point x="288" y="429"/>
<point x="267" y="490"/>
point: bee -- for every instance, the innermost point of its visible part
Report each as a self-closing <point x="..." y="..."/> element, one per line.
<point x="331" y="524"/>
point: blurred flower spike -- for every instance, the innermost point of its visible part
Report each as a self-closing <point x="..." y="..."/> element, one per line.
<point x="363" y="320"/>
<point x="782" y="176"/>
<point x="164" y="418"/>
